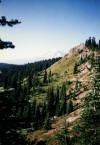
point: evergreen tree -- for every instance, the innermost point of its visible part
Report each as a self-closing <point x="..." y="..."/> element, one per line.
<point x="29" y="81"/>
<point x="6" y="110"/>
<point x="45" y="77"/>
<point x="88" y="43"/>
<point x="69" y="107"/>
<point x="31" y="107"/>
<point x="5" y="82"/>
<point x="37" y="117"/>
<point x="51" y="101"/>
<point x="49" y="76"/>
<point x="57" y="102"/>
<point x="63" y="99"/>
<point x="88" y="126"/>
<point x="13" y="82"/>
<point x="47" y="124"/>
<point x="43" y="113"/>
<point x="75" y="68"/>
<point x="99" y="46"/>
<point x="4" y="22"/>
<point x="57" y="96"/>
<point x="93" y="44"/>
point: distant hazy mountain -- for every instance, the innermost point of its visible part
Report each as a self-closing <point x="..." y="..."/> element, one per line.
<point x="51" y="54"/>
<point x="48" y="55"/>
<point x="55" y="54"/>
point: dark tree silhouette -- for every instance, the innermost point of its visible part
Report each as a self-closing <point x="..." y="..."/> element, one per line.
<point x="11" y="23"/>
<point x="6" y="102"/>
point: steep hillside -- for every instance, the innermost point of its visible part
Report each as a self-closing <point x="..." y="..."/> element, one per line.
<point x="63" y="70"/>
<point x="53" y="102"/>
<point x="76" y="71"/>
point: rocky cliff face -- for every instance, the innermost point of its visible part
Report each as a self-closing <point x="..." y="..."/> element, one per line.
<point x="74" y="50"/>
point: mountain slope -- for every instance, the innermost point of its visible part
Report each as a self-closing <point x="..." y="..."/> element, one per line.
<point x="79" y="86"/>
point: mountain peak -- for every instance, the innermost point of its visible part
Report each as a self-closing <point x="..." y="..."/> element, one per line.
<point x="76" y="49"/>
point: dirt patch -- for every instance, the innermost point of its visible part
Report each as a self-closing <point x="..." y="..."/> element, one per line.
<point x="71" y="119"/>
<point x="82" y="95"/>
<point x="74" y="115"/>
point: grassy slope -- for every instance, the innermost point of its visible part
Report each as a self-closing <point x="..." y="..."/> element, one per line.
<point x="63" y="71"/>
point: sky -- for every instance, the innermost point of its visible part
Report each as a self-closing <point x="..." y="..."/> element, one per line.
<point x="49" y="28"/>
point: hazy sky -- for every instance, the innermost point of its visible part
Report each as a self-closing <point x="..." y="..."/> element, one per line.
<point x="48" y="26"/>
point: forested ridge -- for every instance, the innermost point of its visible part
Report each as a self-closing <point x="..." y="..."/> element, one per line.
<point x="10" y="71"/>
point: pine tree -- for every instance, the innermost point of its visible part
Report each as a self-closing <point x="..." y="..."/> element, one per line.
<point x="88" y="43"/>
<point x="29" y="81"/>
<point x="6" y="119"/>
<point x="69" y="107"/>
<point x="88" y="126"/>
<point x="75" y="69"/>
<point x="11" y="23"/>
<point x="93" y="44"/>
<point x="43" y="112"/>
<point x="63" y="99"/>
<point x="37" y="117"/>
<point x="51" y="101"/>
<point x="99" y="46"/>
<point x="31" y="110"/>
<point x="47" y="124"/>
<point x="45" y="77"/>
<point x="57" y="102"/>
<point x="49" y="76"/>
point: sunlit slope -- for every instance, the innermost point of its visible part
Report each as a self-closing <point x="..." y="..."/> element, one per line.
<point x="63" y="69"/>
<point x="80" y="85"/>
